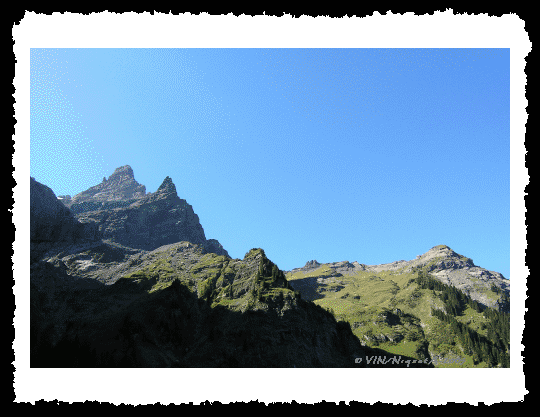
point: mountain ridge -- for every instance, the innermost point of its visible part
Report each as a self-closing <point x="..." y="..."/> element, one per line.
<point x="441" y="261"/>
<point x="124" y="213"/>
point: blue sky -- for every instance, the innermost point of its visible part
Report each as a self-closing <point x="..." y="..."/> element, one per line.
<point x="368" y="155"/>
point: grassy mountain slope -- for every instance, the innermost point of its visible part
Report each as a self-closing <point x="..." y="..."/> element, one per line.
<point x="390" y="309"/>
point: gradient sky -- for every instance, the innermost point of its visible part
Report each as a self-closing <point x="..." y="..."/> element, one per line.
<point x="368" y="155"/>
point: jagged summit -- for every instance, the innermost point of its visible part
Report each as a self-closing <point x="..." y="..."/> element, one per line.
<point x="167" y="187"/>
<point x="122" y="173"/>
<point x="166" y="194"/>
<point x="126" y="214"/>
<point x="312" y="264"/>
<point x="120" y="186"/>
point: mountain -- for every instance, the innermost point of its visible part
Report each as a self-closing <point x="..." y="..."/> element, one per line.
<point x="128" y="294"/>
<point x="120" y="186"/>
<point x="486" y="287"/>
<point x="125" y="214"/>
<point x="440" y="303"/>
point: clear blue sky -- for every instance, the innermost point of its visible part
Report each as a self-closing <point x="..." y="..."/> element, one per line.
<point x="368" y="155"/>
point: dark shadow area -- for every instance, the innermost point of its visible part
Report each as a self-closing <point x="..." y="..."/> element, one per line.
<point x="174" y="328"/>
<point x="308" y="287"/>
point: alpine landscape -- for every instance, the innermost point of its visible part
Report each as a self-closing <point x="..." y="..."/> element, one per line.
<point x="288" y="211"/>
<point x="122" y="277"/>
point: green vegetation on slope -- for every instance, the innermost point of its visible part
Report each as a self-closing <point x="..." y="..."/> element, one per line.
<point x="394" y="310"/>
<point x="492" y="348"/>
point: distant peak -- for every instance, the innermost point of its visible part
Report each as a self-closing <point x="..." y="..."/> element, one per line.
<point x="167" y="186"/>
<point x="123" y="171"/>
<point x="440" y="247"/>
<point x="121" y="185"/>
<point x="120" y="174"/>
<point x="310" y="264"/>
<point x="441" y="251"/>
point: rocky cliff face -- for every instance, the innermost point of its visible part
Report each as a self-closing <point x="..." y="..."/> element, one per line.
<point x="51" y="223"/>
<point x="157" y="219"/>
<point x="122" y="211"/>
<point x="458" y="271"/>
<point x="121" y="185"/>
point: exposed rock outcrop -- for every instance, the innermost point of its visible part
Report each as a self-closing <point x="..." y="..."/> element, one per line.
<point x="124" y="213"/>
<point x="121" y="185"/>
<point x="158" y="219"/>
<point x="312" y="264"/>
<point x="489" y="288"/>
<point x="120" y="190"/>
<point x="213" y="246"/>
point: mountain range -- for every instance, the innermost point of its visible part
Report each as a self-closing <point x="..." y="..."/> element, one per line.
<point x="122" y="277"/>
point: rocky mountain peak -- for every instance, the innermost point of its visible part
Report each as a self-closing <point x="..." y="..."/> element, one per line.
<point x="120" y="186"/>
<point x="443" y="254"/>
<point x="167" y="187"/>
<point x="123" y="173"/>
<point x="312" y="264"/>
<point x="442" y="250"/>
<point x="127" y="215"/>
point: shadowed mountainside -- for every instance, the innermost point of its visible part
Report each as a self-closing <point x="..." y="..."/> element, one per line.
<point x="182" y="307"/>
